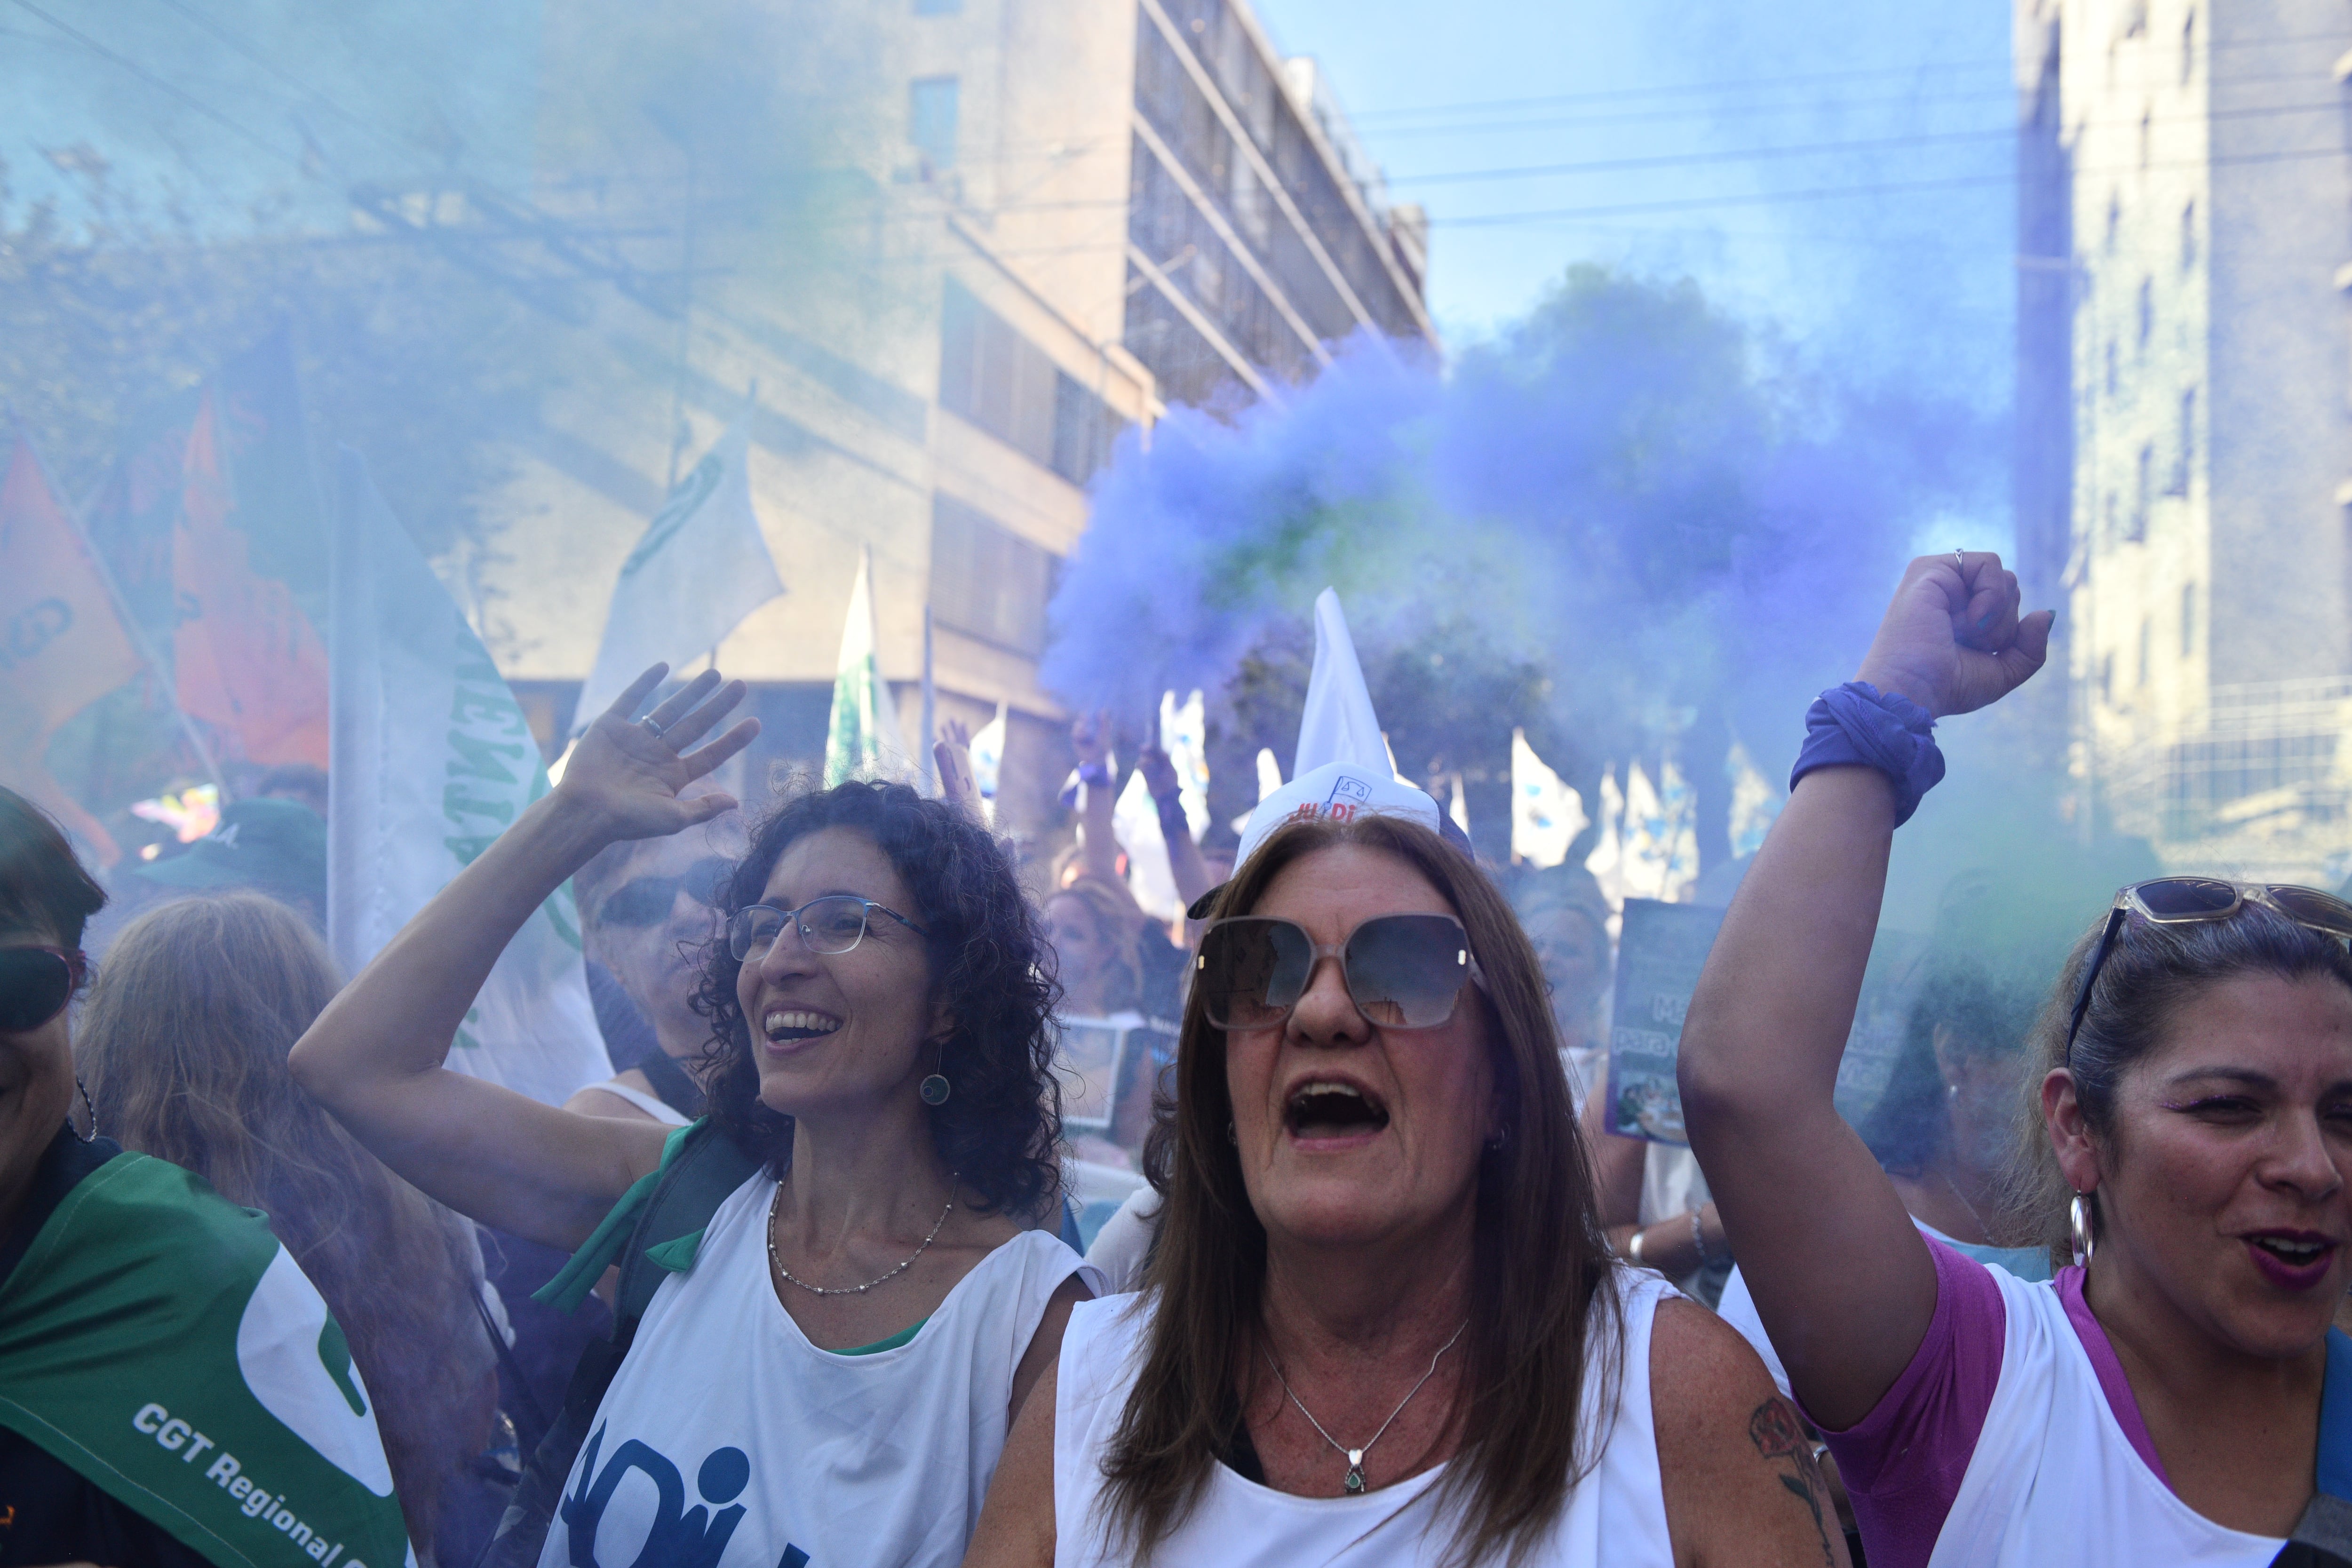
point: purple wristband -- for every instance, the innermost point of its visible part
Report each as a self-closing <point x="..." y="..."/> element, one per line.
<point x="1094" y="774"/>
<point x="1857" y="724"/>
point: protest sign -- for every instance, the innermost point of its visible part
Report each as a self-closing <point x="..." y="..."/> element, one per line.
<point x="1659" y="953"/>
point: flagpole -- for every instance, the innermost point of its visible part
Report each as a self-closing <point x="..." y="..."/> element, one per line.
<point x="131" y="626"/>
<point x="931" y="712"/>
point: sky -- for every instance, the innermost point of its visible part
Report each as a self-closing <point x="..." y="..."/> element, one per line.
<point x="1716" y="127"/>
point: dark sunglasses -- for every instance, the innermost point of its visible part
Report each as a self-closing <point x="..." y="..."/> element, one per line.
<point x="2191" y="900"/>
<point x="648" y="900"/>
<point x="1404" y="971"/>
<point x="35" y="983"/>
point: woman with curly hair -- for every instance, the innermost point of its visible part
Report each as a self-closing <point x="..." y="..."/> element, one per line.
<point x="829" y="1370"/>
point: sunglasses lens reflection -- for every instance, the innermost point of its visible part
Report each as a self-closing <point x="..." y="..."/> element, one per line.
<point x="2313" y="908"/>
<point x="1406" y="971"/>
<point x="1251" y="970"/>
<point x="2186" y="898"/>
<point x="33" y="988"/>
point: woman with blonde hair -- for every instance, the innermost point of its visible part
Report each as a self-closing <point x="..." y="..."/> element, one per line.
<point x="182" y="1046"/>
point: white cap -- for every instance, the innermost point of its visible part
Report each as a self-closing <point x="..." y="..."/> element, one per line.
<point x="1342" y="790"/>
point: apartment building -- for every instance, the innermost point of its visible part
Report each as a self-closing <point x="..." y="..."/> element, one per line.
<point x="2184" y="402"/>
<point x="1003" y="233"/>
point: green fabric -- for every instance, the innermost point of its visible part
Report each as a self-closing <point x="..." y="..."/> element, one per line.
<point x="158" y="1339"/>
<point x="893" y="1342"/>
<point x="603" y="1248"/>
<point x="676" y="1255"/>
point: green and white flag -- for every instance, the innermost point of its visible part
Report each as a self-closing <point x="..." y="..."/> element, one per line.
<point x="865" y="740"/>
<point x="433" y="760"/>
<point x="702" y="565"/>
<point x="159" y="1340"/>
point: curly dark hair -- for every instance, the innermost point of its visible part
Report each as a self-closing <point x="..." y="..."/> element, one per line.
<point x="1003" y="1124"/>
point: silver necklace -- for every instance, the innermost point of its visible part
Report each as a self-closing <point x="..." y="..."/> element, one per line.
<point x="1355" y="1476"/>
<point x="853" y="1289"/>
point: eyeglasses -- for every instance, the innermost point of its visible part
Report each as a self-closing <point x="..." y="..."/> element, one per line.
<point x="1403" y="972"/>
<point x="832" y="924"/>
<point x="35" y="983"/>
<point x="2191" y="900"/>
<point x="648" y="900"/>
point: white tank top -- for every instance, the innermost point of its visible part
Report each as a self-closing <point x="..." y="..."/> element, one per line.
<point x="727" y="1440"/>
<point x="2054" y="1473"/>
<point x="1615" y="1515"/>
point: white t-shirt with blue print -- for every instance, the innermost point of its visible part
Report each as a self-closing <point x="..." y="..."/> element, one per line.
<point x="728" y="1440"/>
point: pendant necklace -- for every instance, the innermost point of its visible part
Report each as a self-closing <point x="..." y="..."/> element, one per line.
<point x="1354" y="1482"/>
<point x="853" y="1289"/>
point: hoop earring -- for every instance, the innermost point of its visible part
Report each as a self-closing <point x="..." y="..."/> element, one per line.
<point x="1231" y="1136"/>
<point x="90" y="1105"/>
<point x="2081" y="1217"/>
<point x="935" y="1089"/>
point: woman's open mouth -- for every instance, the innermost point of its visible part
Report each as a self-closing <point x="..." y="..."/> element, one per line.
<point x="789" y="1027"/>
<point x="2292" y="1259"/>
<point x="1320" y="1110"/>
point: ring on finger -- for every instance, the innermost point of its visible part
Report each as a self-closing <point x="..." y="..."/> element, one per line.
<point x="1959" y="562"/>
<point x="650" y="727"/>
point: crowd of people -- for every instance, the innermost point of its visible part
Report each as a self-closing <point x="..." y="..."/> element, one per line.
<point x="1328" y="1254"/>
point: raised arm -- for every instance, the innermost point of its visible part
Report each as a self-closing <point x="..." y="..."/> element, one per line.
<point x="374" y="1056"/>
<point x="1090" y="737"/>
<point x="1842" y="1281"/>
<point x="1190" y="873"/>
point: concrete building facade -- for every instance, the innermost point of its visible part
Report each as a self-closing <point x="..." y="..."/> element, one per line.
<point x="2185" y="403"/>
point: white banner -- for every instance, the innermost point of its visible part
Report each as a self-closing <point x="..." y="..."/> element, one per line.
<point x="433" y="760"/>
<point x="1546" y="814"/>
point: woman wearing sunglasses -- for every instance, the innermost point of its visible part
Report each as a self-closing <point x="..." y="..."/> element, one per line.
<point x="836" y="1348"/>
<point x="157" y="1341"/>
<point x="1381" y="1325"/>
<point x="2175" y="1394"/>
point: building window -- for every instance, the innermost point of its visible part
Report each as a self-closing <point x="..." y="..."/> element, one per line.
<point x="2147" y="311"/>
<point x="2188" y="619"/>
<point x="2115" y="219"/>
<point x="2141" y="495"/>
<point x="2107" y="677"/>
<point x="931" y="103"/>
<point x="1000" y="381"/>
<point x="2189" y="46"/>
<point x="2146" y="134"/>
<point x="2143" y="652"/>
<point x="2113" y="381"/>
<point x="986" y="580"/>
<point x="2188" y="237"/>
<point x="2184" y="448"/>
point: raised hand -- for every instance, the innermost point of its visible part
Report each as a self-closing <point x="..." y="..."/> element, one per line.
<point x="1159" y="772"/>
<point x="625" y="776"/>
<point x="1952" y="640"/>
<point x="952" y="751"/>
<point x="1090" y="737"/>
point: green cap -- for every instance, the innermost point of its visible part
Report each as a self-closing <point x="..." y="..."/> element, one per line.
<point x="278" y="845"/>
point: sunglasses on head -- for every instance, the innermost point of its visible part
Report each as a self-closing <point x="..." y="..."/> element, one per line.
<point x="1404" y="971"/>
<point x="2191" y="900"/>
<point x="35" y="983"/>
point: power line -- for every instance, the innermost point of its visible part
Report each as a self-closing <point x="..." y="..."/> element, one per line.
<point x="207" y="110"/>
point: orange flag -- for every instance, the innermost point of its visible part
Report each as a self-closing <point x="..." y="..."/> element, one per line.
<point x="246" y="659"/>
<point x="62" y="642"/>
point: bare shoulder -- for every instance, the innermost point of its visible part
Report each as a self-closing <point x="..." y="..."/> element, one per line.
<point x="1734" y="1459"/>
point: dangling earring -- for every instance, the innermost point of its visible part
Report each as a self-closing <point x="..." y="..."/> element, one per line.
<point x="1231" y="1136"/>
<point x="2081" y="1216"/>
<point x="935" y="1089"/>
<point x="88" y="1105"/>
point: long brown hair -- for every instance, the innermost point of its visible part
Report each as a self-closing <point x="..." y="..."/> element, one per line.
<point x="1542" y="1281"/>
<point x="184" y="1044"/>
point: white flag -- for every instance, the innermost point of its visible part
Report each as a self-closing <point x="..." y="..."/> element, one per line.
<point x="1607" y="861"/>
<point x="864" y="740"/>
<point x="701" y="567"/>
<point x="1546" y="812"/>
<point x="988" y="760"/>
<point x="433" y="760"/>
<point x="1135" y="815"/>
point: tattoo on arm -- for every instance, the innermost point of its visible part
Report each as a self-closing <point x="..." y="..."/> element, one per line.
<point x="1783" y="1437"/>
